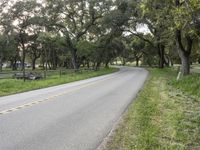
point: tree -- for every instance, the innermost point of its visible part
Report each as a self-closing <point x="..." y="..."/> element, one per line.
<point x="155" y="15"/>
<point x="137" y="47"/>
<point x="184" y="33"/>
<point x="22" y="13"/>
<point x="86" y="50"/>
<point x="3" y="32"/>
<point x="174" y="20"/>
<point x="3" y="44"/>
<point x="75" y="19"/>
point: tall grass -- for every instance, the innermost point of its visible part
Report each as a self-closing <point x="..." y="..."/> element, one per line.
<point x="189" y="84"/>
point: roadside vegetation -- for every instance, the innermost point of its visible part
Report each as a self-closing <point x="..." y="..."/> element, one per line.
<point x="165" y="115"/>
<point x="12" y="86"/>
<point x="189" y="84"/>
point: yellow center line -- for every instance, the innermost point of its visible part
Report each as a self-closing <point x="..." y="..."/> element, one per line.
<point x="52" y="97"/>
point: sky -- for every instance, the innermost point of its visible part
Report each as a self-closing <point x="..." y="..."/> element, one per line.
<point x="143" y="29"/>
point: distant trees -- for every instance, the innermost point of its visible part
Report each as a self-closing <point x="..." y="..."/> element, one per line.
<point x="92" y="33"/>
<point x="137" y="46"/>
<point x="3" y="45"/>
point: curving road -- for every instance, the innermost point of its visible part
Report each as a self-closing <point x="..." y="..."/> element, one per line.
<point x="74" y="116"/>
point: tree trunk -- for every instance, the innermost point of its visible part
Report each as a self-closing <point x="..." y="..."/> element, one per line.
<point x="84" y="64"/>
<point x="73" y="51"/>
<point x="74" y="59"/>
<point x="23" y="63"/>
<point x="54" y="60"/>
<point x="33" y="63"/>
<point x="184" y="53"/>
<point x="88" y="64"/>
<point x="97" y="65"/>
<point x="45" y="63"/>
<point x="137" y="62"/>
<point x="161" y="50"/>
<point x="185" y="67"/>
<point x="123" y="61"/>
<point x="14" y="63"/>
<point x="93" y="66"/>
<point x="106" y="64"/>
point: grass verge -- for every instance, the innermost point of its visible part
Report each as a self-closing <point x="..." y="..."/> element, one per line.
<point x="12" y="86"/>
<point x="189" y="84"/>
<point x="161" y="117"/>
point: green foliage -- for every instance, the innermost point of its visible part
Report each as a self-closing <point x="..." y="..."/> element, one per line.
<point x="137" y="44"/>
<point x="85" y="48"/>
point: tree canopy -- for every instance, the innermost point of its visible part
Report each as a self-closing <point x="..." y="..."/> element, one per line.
<point x="90" y="33"/>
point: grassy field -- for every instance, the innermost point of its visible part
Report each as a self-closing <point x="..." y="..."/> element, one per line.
<point x="12" y="86"/>
<point x="165" y="115"/>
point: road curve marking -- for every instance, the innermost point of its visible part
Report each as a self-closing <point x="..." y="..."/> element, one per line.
<point x="52" y="97"/>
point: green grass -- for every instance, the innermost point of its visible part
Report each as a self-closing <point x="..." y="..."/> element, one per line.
<point x="189" y="84"/>
<point x="12" y="86"/>
<point x="160" y="118"/>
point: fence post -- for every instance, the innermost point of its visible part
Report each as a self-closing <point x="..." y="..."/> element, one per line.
<point x="179" y="73"/>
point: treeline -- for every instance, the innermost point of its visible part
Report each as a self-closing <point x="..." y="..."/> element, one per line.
<point x="91" y="33"/>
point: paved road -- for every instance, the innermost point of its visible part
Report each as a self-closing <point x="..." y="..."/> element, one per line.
<point x="75" y="116"/>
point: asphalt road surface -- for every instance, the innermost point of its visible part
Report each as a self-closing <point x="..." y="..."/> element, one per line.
<point x="74" y="116"/>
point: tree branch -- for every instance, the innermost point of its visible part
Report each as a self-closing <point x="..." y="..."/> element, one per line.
<point x="141" y="37"/>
